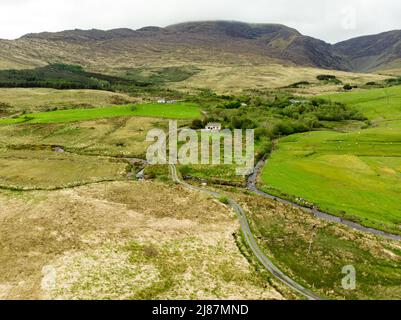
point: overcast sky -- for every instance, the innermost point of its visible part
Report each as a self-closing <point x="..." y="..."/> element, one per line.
<point x="328" y="20"/>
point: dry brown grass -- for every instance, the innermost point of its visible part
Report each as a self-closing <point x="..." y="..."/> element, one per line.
<point x="121" y="241"/>
<point x="128" y="139"/>
<point x="119" y="54"/>
<point x="71" y="135"/>
<point x="114" y="136"/>
<point x="396" y="71"/>
<point x="39" y="99"/>
<point x="235" y="78"/>
<point x="224" y="69"/>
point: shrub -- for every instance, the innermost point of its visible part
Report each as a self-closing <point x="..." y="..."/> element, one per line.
<point x="261" y="133"/>
<point x="299" y="84"/>
<point x="328" y="78"/>
<point x="197" y="124"/>
<point x="393" y="81"/>
<point x="325" y="77"/>
<point x="285" y="128"/>
<point x="232" y="105"/>
<point x="242" y="123"/>
<point x="311" y="121"/>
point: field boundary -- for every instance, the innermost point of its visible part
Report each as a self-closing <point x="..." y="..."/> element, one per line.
<point x="250" y="239"/>
<point x="251" y="185"/>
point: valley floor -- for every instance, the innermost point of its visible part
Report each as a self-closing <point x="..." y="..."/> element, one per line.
<point x="123" y="240"/>
<point x="74" y="224"/>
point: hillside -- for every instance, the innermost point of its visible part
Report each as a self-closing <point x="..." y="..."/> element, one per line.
<point x="270" y="40"/>
<point x="217" y="41"/>
<point x="229" y="55"/>
<point x="370" y="53"/>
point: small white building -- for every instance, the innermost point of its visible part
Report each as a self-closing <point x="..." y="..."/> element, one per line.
<point x="295" y="101"/>
<point x="164" y="101"/>
<point x="213" y="126"/>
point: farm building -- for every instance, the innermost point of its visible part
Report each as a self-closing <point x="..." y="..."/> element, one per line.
<point x="164" y="101"/>
<point x="213" y="126"/>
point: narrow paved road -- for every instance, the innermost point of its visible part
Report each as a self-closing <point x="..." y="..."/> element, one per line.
<point x="250" y="239"/>
<point x="251" y="184"/>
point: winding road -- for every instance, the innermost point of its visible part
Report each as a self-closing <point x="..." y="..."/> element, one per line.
<point x="251" y="185"/>
<point x="250" y="239"/>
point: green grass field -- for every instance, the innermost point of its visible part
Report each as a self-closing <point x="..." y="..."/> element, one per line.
<point x="170" y="111"/>
<point x="355" y="174"/>
<point x="376" y="104"/>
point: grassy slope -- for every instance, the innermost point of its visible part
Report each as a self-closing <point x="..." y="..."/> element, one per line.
<point x="376" y="104"/>
<point x="357" y="173"/>
<point x="39" y="99"/>
<point x="222" y="70"/>
<point x="26" y="157"/>
<point x="26" y="154"/>
<point x="172" y="111"/>
<point x="265" y="76"/>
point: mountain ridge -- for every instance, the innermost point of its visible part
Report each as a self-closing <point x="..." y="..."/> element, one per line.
<point x="220" y="38"/>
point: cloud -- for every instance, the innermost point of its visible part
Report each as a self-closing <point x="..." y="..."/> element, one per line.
<point x="325" y="19"/>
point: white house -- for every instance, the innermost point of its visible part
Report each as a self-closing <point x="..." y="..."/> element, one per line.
<point x="164" y="101"/>
<point x="213" y="126"/>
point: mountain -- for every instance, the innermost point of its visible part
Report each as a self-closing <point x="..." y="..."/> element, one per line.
<point x="199" y="43"/>
<point x="370" y="53"/>
<point x="272" y="40"/>
<point x="217" y="41"/>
